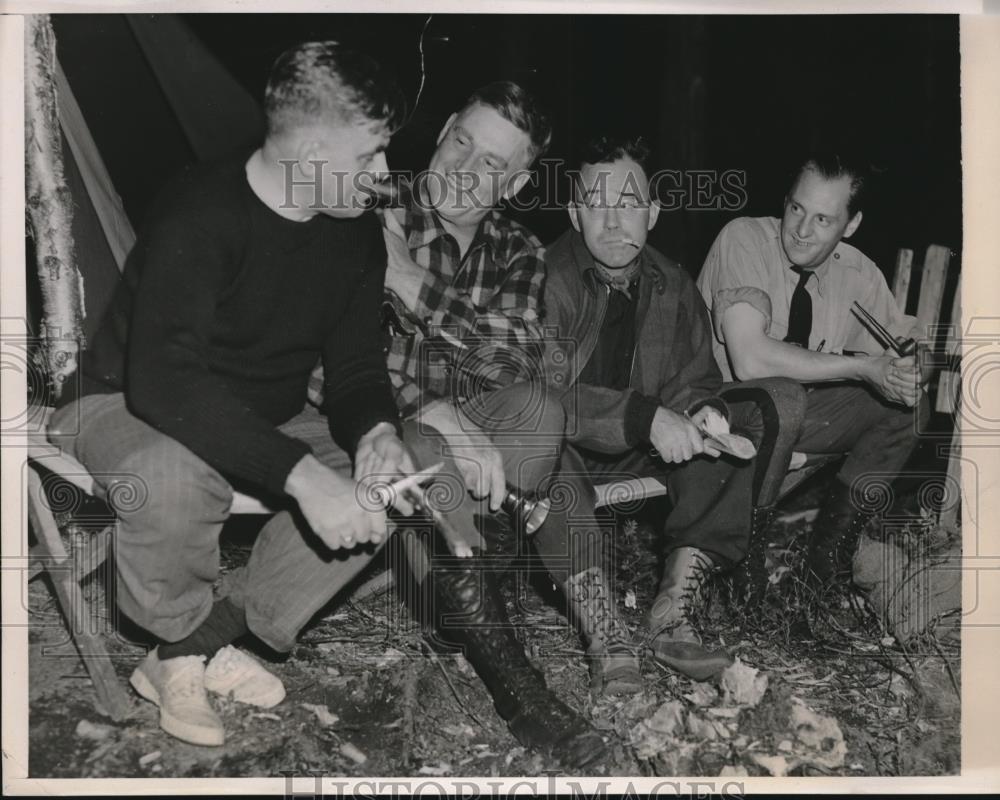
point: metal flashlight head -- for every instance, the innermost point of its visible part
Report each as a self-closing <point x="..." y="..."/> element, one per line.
<point x="525" y="509"/>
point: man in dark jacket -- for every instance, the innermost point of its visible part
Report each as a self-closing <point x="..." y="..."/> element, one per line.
<point x="634" y="355"/>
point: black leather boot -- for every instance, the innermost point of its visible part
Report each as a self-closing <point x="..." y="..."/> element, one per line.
<point x="469" y="612"/>
<point x="748" y="579"/>
<point x="834" y="537"/>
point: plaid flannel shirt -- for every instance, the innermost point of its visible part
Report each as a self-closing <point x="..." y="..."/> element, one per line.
<point x="476" y="325"/>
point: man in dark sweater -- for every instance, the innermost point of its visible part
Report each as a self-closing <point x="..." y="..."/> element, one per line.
<point x="246" y="273"/>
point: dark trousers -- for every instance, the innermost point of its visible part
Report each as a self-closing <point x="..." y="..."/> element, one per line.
<point x="711" y="498"/>
<point x="878" y="437"/>
<point x="527" y="424"/>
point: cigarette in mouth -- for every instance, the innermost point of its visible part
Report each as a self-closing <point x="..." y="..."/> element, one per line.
<point x="630" y="242"/>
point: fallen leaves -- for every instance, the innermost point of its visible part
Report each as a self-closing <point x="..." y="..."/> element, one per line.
<point x="777" y="766"/>
<point x="821" y="735"/>
<point x="742" y="685"/>
<point x="706" y="729"/>
<point x="653" y="735"/>
<point x="667" y="718"/>
<point x="817" y="741"/>
<point x="702" y="694"/>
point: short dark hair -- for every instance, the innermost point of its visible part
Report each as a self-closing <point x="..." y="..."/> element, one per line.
<point x="831" y="166"/>
<point x="316" y="80"/>
<point x="606" y="148"/>
<point x="520" y="108"/>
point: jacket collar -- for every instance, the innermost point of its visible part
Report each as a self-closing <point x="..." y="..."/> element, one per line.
<point x="585" y="263"/>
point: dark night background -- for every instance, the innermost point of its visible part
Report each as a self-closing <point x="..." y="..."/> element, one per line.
<point x="710" y="92"/>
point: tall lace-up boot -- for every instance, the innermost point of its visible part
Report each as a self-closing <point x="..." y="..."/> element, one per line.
<point x="671" y="635"/>
<point x="748" y="579"/>
<point x="834" y="537"/>
<point x="614" y="667"/>
<point x="469" y="612"/>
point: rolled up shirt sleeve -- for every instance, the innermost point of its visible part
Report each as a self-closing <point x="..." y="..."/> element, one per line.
<point x="724" y="299"/>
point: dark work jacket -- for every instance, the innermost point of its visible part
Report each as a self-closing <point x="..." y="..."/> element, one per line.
<point x="672" y="364"/>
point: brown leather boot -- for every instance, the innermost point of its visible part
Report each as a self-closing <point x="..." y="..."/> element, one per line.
<point x="671" y="635"/>
<point x="614" y="667"/>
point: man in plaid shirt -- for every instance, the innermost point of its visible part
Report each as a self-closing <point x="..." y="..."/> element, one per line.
<point x="463" y="343"/>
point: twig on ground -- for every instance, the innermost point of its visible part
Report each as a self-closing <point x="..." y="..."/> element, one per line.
<point x="464" y="706"/>
<point x="947" y="666"/>
<point x="409" y="703"/>
<point x="380" y="584"/>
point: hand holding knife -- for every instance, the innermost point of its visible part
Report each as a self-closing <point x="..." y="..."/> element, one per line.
<point x="409" y="488"/>
<point x="731" y="443"/>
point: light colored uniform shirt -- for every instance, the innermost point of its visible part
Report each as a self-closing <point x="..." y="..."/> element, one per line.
<point x="747" y="264"/>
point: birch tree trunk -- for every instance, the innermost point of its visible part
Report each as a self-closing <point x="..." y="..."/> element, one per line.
<point x="49" y="206"/>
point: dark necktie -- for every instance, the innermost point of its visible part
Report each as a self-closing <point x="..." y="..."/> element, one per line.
<point x="800" y="313"/>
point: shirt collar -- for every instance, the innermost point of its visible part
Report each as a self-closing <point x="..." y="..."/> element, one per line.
<point x="423" y="226"/>
<point x="841" y="257"/>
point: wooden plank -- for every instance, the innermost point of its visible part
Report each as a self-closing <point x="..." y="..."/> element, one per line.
<point x="949" y="382"/>
<point x="110" y="693"/>
<point x="901" y="280"/>
<point x="629" y="491"/>
<point x="948" y="518"/>
<point x="949" y="399"/>
<point x="932" y="281"/>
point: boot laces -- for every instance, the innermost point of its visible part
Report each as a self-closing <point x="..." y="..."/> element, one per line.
<point x="692" y="594"/>
<point x="591" y="595"/>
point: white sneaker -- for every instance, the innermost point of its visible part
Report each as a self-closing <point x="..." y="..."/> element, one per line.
<point x="177" y="686"/>
<point x="233" y="673"/>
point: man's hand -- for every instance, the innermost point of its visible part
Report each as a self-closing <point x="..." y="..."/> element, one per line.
<point x="478" y="461"/>
<point x="710" y="421"/>
<point x="675" y="437"/>
<point x="332" y="505"/>
<point x="381" y="457"/>
<point x="403" y="276"/>
<point x="895" y="378"/>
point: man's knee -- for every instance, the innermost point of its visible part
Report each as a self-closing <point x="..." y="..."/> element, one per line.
<point x="527" y="408"/>
<point x="767" y="407"/>
<point x="162" y="478"/>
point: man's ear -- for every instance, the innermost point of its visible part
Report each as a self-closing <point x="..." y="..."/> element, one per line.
<point x="574" y="214"/>
<point x="447" y="127"/>
<point x="306" y="151"/>
<point x="654" y="214"/>
<point x="852" y="225"/>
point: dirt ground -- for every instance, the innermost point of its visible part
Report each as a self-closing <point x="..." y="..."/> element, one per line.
<point x="366" y="696"/>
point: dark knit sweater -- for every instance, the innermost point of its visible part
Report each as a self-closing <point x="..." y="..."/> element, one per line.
<point x="225" y="308"/>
